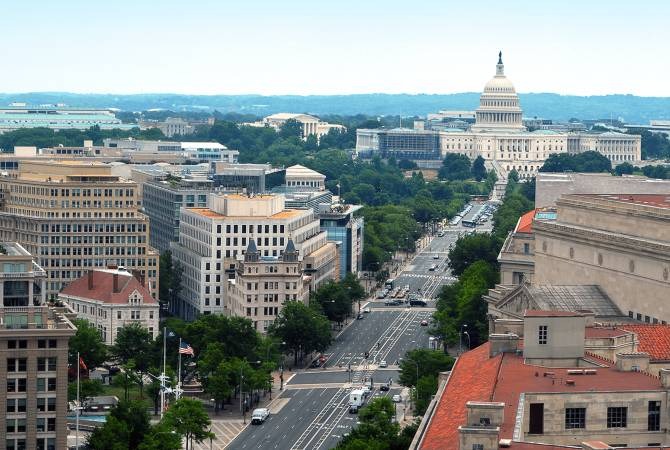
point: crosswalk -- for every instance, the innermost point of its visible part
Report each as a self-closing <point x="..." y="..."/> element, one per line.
<point x="224" y="430"/>
<point x="421" y="275"/>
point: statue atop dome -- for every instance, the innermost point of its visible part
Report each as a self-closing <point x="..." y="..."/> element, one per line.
<point x="500" y="57"/>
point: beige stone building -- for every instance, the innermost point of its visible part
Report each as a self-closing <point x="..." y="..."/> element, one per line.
<point x="263" y="284"/>
<point x="74" y="217"/>
<point x="301" y="177"/>
<point x="516" y="257"/>
<point x="212" y="239"/>
<point x="311" y="125"/>
<point x="34" y="373"/>
<point x="537" y="387"/>
<point x="110" y="299"/>
<point x="618" y="242"/>
<point x="22" y="280"/>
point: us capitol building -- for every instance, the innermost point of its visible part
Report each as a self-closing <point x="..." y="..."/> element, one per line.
<point x="497" y="134"/>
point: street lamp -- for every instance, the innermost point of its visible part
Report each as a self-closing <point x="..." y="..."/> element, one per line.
<point x="468" y="335"/>
<point x="460" y="338"/>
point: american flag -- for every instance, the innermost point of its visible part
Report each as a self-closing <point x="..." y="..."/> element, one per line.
<point x="186" y="349"/>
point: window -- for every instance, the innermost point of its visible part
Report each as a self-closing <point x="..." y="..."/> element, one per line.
<point x="654" y="416"/>
<point x="118" y="315"/>
<point x="46" y="364"/>
<point x="16" y="364"/>
<point x="617" y="417"/>
<point x="575" y="418"/>
<point x="477" y="446"/>
<point x="542" y="334"/>
<point x="526" y="248"/>
<point x="536" y="419"/>
<point x="53" y="343"/>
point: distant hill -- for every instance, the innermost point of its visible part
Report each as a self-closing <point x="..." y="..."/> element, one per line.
<point x="550" y="106"/>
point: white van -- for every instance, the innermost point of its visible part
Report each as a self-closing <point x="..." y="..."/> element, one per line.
<point x="259" y="415"/>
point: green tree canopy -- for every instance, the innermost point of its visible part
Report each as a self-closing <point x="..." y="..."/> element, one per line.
<point x="188" y="418"/>
<point x="471" y="248"/>
<point x="302" y="328"/>
<point x="590" y="161"/>
<point x="478" y="168"/>
<point x="88" y="342"/>
<point x="455" y="167"/>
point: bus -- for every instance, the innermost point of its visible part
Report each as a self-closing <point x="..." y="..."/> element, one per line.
<point x="389" y="284"/>
<point x="469" y="223"/>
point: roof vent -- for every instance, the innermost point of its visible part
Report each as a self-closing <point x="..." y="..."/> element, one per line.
<point x="505" y="443"/>
<point x="575" y="372"/>
<point x="569" y="382"/>
<point x="549" y="374"/>
<point x="590" y="371"/>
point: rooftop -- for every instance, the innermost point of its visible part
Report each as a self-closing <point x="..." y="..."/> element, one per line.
<point x="573" y="298"/>
<point x="655" y="200"/>
<point x="654" y="339"/>
<point x="503" y="378"/>
<point x="525" y="223"/>
<point x="302" y="171"/>
<point x="539" y="313"/>
<point x="102" y="287"/>
<point x="206" y="212"/>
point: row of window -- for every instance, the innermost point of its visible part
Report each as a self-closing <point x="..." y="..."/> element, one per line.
<point x="42" y="384"/>
<point x="575" y="418"/>
<point x="40" y="444"/>
<point x="44" y="364"/>
<point x="647" y="319"/>
<point x="41" y="343"/>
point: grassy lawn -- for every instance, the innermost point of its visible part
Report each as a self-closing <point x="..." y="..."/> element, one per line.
<point x="133" y="394"/>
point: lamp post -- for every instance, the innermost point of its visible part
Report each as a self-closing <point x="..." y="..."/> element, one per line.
<point x="468" y="336"/>
<point x="244" y="416"/>
<point x="460" y="338"/>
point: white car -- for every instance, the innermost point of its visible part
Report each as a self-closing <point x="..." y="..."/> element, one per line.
<point x="396" y="398"/>
<point x="259" y="415"/>
<point x="383" y="364"/>
<point x="366" y="310"/>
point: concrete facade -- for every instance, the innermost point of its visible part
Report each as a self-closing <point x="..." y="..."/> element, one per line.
<point x="75" y="216"/>
<point x="621" y="243"/>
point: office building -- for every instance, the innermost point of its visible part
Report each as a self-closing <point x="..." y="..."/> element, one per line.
<point x="262" y="284"/>
<point x="347" y="230"/>
<point x="212" y="239"/>
<point x="174" y="151"/>
<point x="74" y="217"/>
<point x="110" y="299"/>
<point x="22" y="280"/>
<point x="540" y="383"/>
<point x="551" y="186"/>
<point x="34" y="372"/>
<point x="249" y="178"/>
<point x="620" y="242"/>
<point x="58" y="117"/>
<point x="302" y="178"/>
<point x="209" y="151"/>
<point x="398" y="143"/>
<point x="162" y="200"/>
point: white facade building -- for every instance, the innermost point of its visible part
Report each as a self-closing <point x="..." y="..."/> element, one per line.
<point x="311" y="125"/>
<point x="111" y="299"/>
<point x="213" y="239"/>
<point x="301" y="177"/>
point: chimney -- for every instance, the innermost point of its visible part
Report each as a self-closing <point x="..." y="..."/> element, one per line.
<point x="90" y="280"/>
<point x="665" y="378"/>
<point x="116" y="283"/>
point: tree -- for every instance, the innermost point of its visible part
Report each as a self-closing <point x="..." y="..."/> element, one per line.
<point x="133" y="342"/>
<point x="88" y="343"/>
<point x="303" y="329"/>
<point x="161" y="437"/>
<point x="478" y="168"/>
<point x="376" y="429"/>
<point x="87" y="388"/>
<point x="455" y="167"/>
<point x="188" y="418"/>
<point x="624" y="168"/>
<point x="471" y="248"/>
<point x="406" y="164"/>
<point x="590" y="161"/>
<point x="124" y="429"/>
<point x="430" y="363"/>
<point x="334" y="301"/>
<point x="291" y="128"/>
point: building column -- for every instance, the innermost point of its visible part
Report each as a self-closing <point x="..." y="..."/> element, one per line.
<point x="43" y="290"/>
<point x="30" y="292"/>
<point x="2" y="293"/>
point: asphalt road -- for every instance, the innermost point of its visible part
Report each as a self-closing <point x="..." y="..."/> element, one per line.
<point x="312" y="411"/>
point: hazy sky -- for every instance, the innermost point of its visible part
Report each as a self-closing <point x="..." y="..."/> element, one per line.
<point x="334" y="47"/>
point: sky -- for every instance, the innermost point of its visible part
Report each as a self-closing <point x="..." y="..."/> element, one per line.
<point x="304" y="47"/>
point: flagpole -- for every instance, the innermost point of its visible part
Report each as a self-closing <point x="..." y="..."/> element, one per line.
<point x="163" y="374"/>
<point x="76" y="439"/>
<point x="177" y="395"/>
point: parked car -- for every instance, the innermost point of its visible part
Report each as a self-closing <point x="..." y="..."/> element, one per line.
<point x="383" y="364"/>
<point x="418" y="303"/>
<point x="396" y="398"/>
<point x="384" y="387"/>
<point x="424" y="323"/>
<point x="259" y="415"/>
<point x="366" y="310"/>
<point x="436" y="256"/>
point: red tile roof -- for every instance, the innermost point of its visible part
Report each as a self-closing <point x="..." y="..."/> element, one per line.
<point x="525" y="223"/>
<point x="442" y="431"/>
<point x="654" y="339"/>
<point x="503" y="378"/>
<point x="541" y="313"/>
<point x="103" y="285"/>
<point x="600" y="332"/>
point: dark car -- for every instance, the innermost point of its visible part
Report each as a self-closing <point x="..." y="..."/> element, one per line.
<point x="359" y="317"/>
<point x="417" y="303"/>
<point x="384" y="387"/>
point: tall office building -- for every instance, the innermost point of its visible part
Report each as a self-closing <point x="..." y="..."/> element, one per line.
<point x="34" y="342"/>
<point x="76" y="216"/>
<point x="212" y="239"/>
<point x="344" y="228"/>
<point x="161" y="201"/>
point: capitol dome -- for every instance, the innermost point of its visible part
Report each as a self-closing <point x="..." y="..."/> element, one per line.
<point x="499" y="108"/>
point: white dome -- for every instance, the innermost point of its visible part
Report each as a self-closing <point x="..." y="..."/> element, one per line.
<point x="499" y="85"/>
